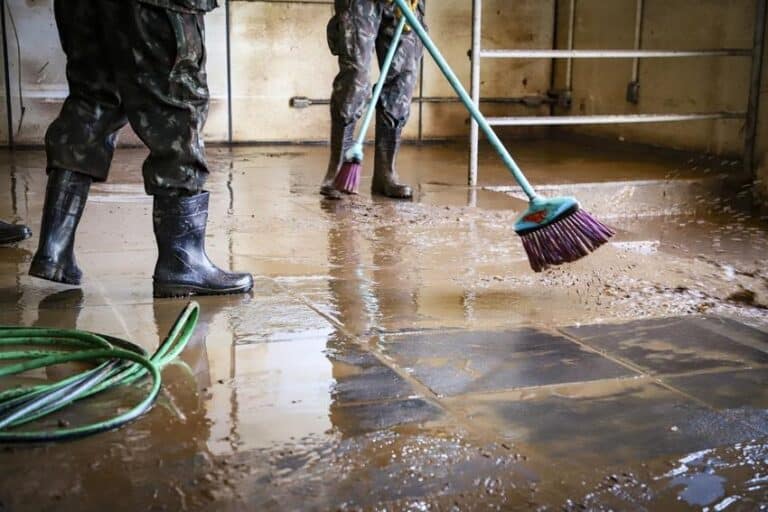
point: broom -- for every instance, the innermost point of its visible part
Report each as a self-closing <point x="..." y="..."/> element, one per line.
<point x="553" y="230"/>
<point x="348" y="179"/>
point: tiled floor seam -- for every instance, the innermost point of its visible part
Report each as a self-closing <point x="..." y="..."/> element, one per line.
<point x="543" y="387"/>
<point x="422" y="390"/>
<point x="639" y="377"/>
<point x="383" y="401"/>
<point x="657" y="379"/>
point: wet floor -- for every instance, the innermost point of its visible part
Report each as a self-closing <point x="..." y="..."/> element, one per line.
<point x="402" y="356"/>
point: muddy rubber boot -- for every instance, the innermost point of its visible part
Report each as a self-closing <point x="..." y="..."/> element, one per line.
<point x="12" y="233"/>
<point x="342" y="138"/>
<point x="65" y="198"/>
<point x="385" y="179"/>
<point x="183" y="267"/>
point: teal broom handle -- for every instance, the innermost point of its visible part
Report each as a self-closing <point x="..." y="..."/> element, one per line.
<point x="466" y="99"/>
<point x="380" y="84"/>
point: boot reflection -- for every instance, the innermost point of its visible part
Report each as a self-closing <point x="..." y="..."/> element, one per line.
<point x="395" y="281"/>
<point x="350" y="288"/>
<point x="374" y="290"/>
<point x="12" y="262"/>
<point x="60" y="310"/>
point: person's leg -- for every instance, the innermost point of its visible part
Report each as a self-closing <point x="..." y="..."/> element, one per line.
<point x="12" y="233"/>
<point x="394" y="107"/>
<point x="159" y="57"/>
<point x="80" y="142"/>
<point x="351" y="37"/>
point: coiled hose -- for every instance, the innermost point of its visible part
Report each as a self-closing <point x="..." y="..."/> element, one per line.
<point x="119" y="363"/>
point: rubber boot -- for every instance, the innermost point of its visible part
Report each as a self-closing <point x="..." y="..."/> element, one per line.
<point x="65" y="199"/>
<point x="12" y="233"/>
<point x="342" y="138"/>
<point x="183" y="267"/>
<point x="385" y="179"/>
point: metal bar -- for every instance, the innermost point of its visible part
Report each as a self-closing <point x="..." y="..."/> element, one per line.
<point x="528" y="101"/>
<point x="533" y="101"/>
<point x="6" y="70"/>
<point x="610" y="119"/>
<point x="228" y="36"/>
<point x="612" y="54"/>
<point x="638" y="39"/>
<point x="753" y="106"/>
<point x="421" y="100"/>
<point x="474" y="129"/>
<point x="571" y="32"/>
<point x="553" y="62"/>
<point x="421" y="90"/>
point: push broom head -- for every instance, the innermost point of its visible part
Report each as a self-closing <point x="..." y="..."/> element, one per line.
<point x="348" y="179"/>
<point x="556" y="231"/>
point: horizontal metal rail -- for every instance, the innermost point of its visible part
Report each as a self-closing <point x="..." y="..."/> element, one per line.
<point x="610" y="119"/>
<point x="528" y="101"/>
<point x="612" y="54"/>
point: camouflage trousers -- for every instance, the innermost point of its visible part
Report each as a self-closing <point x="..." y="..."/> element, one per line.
<point x="358" y="28"/>
<point x="130" y="62"/>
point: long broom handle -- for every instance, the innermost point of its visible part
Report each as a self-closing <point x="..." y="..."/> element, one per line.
<point x="379" y="86"/>
<point x="466" y="99"/>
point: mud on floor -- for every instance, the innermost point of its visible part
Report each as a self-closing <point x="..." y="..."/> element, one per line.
<point x="402" y="356"/>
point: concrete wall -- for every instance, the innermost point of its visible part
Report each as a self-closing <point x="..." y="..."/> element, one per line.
<point x="279" y="51"/>
<point x="667" y="85"/>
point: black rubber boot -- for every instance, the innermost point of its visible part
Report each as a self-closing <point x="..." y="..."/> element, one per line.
<point x="342" y="138"/>
<point x="65" y="199"/>
<point x="385" y="179"/>
<point x="183" y="267"/>
<point x="12" y="233"/>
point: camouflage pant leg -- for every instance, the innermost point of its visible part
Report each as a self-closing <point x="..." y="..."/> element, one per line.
<point x="358" y="28"/>
<point x="146" y="64"/>
<point x="159" y="57"/>
<point x="83" y="136"/>
<point x="401" y="80"/>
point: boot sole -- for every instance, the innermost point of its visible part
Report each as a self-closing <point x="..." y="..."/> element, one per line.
<point x="330" y="193"/>
<point x="381" y="193"/>
<point x="162" y="291"/>
<point x="52" y="273"/>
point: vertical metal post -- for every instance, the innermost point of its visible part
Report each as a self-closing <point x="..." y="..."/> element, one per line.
<point x="571" y="31"/>
<point x="7" y="72"/>
<point x="753" y="107"/>
<point x="229" y="69"/>
<point x="421" y="101"/>
<point x="633" y="87"/>
<point x="474" y="130"/>
<point x="638" y="39"/>
<point x="553" y="62"/>
<point x="421" y="90"/>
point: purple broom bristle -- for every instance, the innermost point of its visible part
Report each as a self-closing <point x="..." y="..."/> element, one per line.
<point x="348" y="179"/>
<point x="565" y="240"/>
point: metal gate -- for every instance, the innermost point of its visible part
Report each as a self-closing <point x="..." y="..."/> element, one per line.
<point x="750" y="116"/>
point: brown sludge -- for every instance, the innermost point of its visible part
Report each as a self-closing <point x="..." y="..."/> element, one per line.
<point x="402" y="356"/>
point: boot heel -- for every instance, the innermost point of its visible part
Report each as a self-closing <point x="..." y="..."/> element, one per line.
<point x="52" y="272"/>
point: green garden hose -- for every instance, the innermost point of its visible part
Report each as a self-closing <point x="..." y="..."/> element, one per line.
<point x="119" y="363"/>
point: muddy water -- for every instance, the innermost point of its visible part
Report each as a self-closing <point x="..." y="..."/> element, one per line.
<point x="292" y="398"/>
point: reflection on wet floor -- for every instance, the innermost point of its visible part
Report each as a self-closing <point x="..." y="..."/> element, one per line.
<point x="403" y="356"/>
